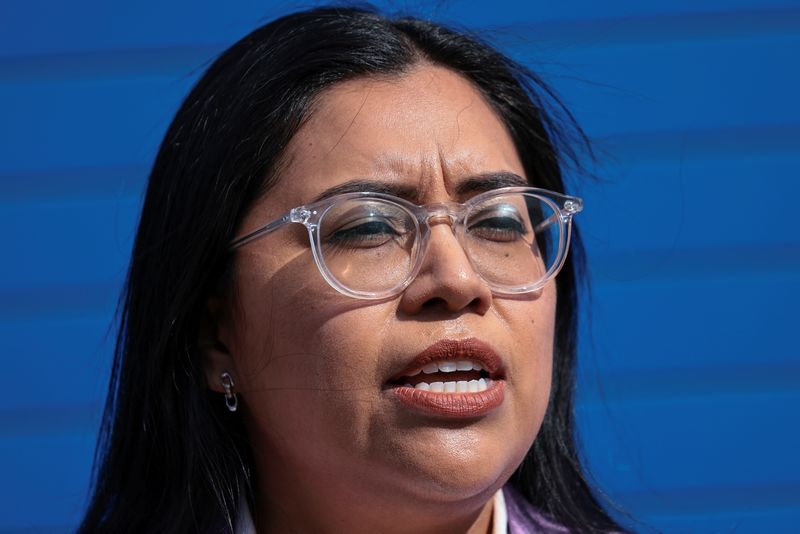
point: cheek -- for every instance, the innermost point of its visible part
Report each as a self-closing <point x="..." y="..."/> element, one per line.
<point x="537" y="383"/>
<point x="533" y="325"/>
<point x="307" y="365"/>
<point x="273" y="317"/>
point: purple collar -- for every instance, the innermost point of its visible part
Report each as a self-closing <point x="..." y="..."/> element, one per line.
<point x="523" y="518"/>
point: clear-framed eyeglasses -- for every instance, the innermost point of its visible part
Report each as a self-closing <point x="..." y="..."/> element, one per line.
<point x="372" y="245"/>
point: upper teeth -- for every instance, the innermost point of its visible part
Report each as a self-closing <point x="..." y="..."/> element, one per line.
<point x="449" y="366"/>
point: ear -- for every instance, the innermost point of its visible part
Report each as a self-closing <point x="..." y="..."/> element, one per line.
<point x="217" y="358"/>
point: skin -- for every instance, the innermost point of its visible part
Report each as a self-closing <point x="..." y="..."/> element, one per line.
<point x="334" y="452"/>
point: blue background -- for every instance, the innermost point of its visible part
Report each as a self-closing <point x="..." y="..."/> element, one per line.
<point x="690" y="378"/>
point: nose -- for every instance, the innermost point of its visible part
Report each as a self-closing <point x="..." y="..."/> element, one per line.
<point x="446" y="280"/>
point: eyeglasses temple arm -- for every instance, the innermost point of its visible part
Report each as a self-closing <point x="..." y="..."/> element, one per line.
<point x="264" y="230"/>
<point x="565" y="215"/>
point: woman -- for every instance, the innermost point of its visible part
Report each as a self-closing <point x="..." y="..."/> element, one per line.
<point x="401" y="364"/>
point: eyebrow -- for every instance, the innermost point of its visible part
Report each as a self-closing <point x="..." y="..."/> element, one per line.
<point x="488" y="181"/>
<point x="474" y="184"/>
<point x="369" y="186"/>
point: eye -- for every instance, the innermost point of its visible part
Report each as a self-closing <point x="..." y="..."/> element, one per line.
<point x="367" y="232"/>
<point x="499" y="223"/>
<point x="359" y="224"/>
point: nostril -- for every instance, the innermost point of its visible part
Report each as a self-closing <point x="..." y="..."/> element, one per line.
<point x="434" y="303"/>
<point x="478" y="304"/>
<point x="440" y="303"/>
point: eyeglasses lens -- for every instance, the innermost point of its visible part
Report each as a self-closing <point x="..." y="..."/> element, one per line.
<point x="370" y="245"/>
<point x="510" y="239"/>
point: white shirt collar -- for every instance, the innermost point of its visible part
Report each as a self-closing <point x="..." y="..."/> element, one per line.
<point x="499" y="514"/>
<point x="244" y="525"/>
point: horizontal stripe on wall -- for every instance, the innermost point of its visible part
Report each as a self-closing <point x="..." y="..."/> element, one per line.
<point x="87" y="24"/>
<point x="626" y="446"/>
<point x="633" y="269"/>
<point x="147" y="60"/>
<point x="620" y="91"/>
<point x="693" y="442"/>
<point x="618" y="156"/>
<point x="24" y="416"/>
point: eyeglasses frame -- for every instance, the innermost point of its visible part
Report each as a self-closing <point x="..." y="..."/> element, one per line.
<point x="564" y="208"/>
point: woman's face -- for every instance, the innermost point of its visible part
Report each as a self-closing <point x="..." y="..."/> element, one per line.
<point x="319" y="373"/>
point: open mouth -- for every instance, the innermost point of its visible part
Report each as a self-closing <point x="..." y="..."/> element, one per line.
<point x="448" y="376"/>
<point x="461" y="379"/>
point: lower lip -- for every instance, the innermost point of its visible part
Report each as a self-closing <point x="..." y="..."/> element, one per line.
<point x="453" y="405"/>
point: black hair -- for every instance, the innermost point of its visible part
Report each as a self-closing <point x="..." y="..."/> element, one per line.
<point x="169" y="457"/>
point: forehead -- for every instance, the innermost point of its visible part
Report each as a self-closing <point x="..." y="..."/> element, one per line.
<point x="425" y="130"/>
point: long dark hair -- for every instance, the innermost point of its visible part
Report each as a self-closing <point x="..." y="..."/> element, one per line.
<point x="169" y="457"/>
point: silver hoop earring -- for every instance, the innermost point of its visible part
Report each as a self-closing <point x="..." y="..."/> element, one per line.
<point x="231" y="400"/>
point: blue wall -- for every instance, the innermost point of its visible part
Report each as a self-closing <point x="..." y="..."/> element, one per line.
<point x="690" y="379"/>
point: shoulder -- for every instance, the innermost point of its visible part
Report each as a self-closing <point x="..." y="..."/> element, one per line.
<point x="524" y="518"/>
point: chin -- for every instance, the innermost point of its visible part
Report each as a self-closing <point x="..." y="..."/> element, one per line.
<point x="456" y="466"/>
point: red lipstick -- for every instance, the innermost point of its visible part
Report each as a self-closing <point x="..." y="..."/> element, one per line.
<point x="452" y="378"/>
